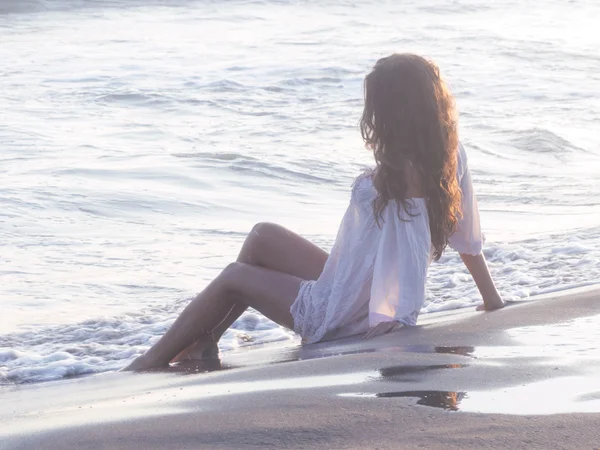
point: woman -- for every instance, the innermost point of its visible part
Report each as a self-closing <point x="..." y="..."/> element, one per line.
<point x="402" y="214"/>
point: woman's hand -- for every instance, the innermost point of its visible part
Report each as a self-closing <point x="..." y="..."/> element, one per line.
<point x="483" y="279"/>
<point x="382" y="328"/>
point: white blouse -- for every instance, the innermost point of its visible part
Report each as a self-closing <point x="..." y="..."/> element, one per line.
<point x="377" y="273"/>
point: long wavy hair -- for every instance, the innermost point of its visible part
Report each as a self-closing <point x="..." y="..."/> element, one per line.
<point x="409" y="119"/>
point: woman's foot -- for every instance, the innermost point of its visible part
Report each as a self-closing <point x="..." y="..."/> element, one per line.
<point x="201" y="350"/>
<point x="142" y="362"/>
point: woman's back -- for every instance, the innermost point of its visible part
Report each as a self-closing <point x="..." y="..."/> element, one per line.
<point x="409" y="122"/>
<point x="414" y="181"/>
<point x="377" y="270"/>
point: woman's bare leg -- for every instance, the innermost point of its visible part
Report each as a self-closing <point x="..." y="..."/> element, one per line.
<point x="268" y="291"/>
<point x="244" y="284"/>
<point x="273" y="247"/>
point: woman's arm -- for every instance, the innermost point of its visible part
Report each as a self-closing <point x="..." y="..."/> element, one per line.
<point x="483" y="279"/>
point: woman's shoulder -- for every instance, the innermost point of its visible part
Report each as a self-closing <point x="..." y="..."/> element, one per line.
<point x="363" y="190"/>
<point x="364" y="180"/>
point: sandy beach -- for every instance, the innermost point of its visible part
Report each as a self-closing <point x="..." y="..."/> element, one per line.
<point x="522" y="377"/>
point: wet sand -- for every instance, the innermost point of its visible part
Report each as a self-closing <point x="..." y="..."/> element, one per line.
<point x="527" y="376"/>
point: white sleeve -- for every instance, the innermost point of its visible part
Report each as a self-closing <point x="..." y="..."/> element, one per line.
<point x="400" y="270"/>
<point x="468" y="237"/>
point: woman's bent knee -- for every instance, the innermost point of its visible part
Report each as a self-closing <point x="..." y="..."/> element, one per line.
<point x="264" y="229"/>
<point x="259" y="239"/>
<point x="231" y="270"/>
<point x="233" y="273"/>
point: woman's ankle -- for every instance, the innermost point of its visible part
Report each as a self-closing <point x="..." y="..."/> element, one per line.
<point x="142" y="362"/>
<point x="200" y="350"/>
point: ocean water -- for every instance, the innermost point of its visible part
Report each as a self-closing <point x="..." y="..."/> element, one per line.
<point x="141" y="140"/>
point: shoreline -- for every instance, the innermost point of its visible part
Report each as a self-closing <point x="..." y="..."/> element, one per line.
<point x="488" y="375"/>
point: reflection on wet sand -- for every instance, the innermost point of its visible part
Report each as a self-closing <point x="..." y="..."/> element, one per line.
<point x="395" y="373"/>
<point x="192" y="366"/>
<point x="437" y="399"/>
<point x="569" y="395"/>
<point x="534" y="346"/>
<point x="460" y="350"/>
